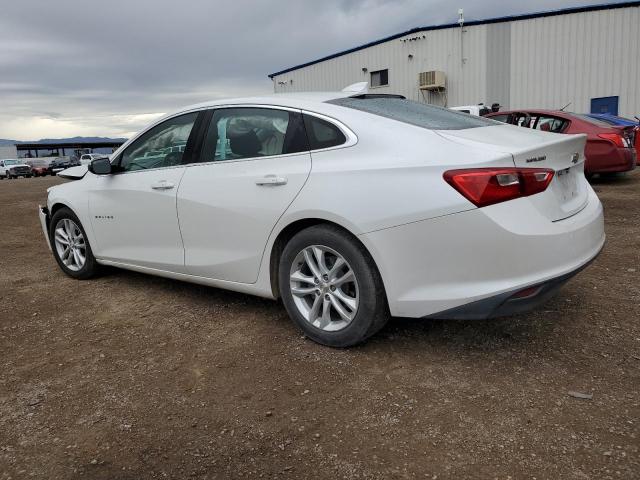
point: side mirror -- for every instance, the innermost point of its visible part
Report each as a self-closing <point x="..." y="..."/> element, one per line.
<point x="100" y="166"/>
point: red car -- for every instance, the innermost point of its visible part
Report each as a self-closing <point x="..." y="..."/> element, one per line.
<point x="609" y="149"/>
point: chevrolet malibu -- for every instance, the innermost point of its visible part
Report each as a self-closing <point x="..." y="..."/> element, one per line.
<point x="350" y="207"/>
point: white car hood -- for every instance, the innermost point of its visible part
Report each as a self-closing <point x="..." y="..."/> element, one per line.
<point x="74" y="173"/>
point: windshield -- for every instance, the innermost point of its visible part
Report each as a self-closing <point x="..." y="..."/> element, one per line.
<point x="11" y="162"/>
<point x="414" y="113"/>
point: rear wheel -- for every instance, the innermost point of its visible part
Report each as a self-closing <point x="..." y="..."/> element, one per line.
<point x="70" y="245"/>
<point x="331" y="287"/>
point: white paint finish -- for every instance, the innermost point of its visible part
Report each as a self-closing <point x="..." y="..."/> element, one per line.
<point x="543" y="62"/>
<point x="434" y="249"/>
<point x="136" y="223"/>
<point x="369" y="190"/>
<point x="74" y="173"/>
<point x="431" y="266"/>
<point x="226" y="219"/>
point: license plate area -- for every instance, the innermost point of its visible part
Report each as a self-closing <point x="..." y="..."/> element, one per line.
<point x="567" y="180"/>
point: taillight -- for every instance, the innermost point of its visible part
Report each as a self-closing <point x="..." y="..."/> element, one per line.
<point x="617" y="139"/>
<point x="487" y="186"/>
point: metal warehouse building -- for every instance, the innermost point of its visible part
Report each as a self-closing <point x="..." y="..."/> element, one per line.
<point x="588" y="57"/>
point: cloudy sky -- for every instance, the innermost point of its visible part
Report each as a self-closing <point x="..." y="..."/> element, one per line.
<point x="108" y="67"/>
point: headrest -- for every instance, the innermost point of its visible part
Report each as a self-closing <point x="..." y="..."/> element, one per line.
<point x="246" y="144"/>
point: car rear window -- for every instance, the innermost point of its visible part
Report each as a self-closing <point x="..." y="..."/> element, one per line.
<point x="591" y="120"/>
<point x="414" y="113"/>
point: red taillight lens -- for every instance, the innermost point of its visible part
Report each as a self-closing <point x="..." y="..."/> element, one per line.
<point x="487" y="186"/>
<point x="615" y="138"/>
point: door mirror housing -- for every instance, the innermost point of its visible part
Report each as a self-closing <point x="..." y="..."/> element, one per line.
<point x="100" y="166"/>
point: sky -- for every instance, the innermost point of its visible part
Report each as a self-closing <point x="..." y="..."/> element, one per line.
<point x="107" y="68"/>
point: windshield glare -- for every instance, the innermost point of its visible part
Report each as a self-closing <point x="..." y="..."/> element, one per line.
<point x="11" y="162"/>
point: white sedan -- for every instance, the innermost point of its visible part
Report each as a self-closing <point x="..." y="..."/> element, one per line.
<point x="349" y="207"/>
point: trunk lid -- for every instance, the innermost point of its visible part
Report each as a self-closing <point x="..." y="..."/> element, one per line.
<point x="567" y="193"/>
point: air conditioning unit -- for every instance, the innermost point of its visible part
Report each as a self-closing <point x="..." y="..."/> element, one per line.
<point x="433" y="80"/>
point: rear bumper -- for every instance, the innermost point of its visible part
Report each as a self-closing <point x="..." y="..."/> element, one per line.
<point x="510" y="303"/>
<point x="43" y="213"/>
<point x="617" y="161"/>
<point x="431" y="268"/>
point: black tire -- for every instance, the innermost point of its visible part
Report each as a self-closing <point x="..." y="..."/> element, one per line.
<point x="91" y="268"/>
<point x="372" y="312"/>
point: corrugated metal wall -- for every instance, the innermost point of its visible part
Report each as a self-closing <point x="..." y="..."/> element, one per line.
<point x="8" y="151"/>
<point x="574" y="58"/>
<point x="438" y="50"/>
<point x="499" y="64"/>
<point x="544" y="62"/>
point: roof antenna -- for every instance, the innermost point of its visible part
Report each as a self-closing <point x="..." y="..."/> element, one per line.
<point x="562" y="109"/>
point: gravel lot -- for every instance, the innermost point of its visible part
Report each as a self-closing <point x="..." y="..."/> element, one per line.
<point x="132" y="377"/>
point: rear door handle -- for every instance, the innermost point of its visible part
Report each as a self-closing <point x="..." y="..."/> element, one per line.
<point x="272" y="180"/>
<point x="162" y="185"/>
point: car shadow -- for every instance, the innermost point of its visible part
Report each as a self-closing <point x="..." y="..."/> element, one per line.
<point x="612" y="179"/>
<point x="525" y="332"/>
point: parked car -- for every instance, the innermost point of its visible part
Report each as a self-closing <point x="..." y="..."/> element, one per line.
<point x="479" y="110"/>
<point x="87" y="158"/>
<point x="40" y="167"/>
<point x="609" y="149"/>
<point x="621" y="122"/>
<point x="349" y="207"/>
<point x="13" y="168"/>
<point x="59" y="164"/>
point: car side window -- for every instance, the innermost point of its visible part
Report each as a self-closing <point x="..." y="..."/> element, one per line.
<point x="523" y="120"/>
<point x="500" y="118"/>
<point x="551" y="124"/>
<point x="248" y="132"/>
<point x="322" y="134"/>
<point x="161" y="146"/>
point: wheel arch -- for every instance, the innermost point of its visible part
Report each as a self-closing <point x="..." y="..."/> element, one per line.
<point x="289" y="231"/>
<point x="59" y="205"/>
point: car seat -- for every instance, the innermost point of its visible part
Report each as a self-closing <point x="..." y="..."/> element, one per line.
<point x="246" y="144"/>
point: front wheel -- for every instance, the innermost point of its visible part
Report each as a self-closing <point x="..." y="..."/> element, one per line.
<point x="70" y="245"/>
<point x="331" y="287"/>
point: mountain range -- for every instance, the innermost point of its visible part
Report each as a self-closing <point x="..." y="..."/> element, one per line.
<point x="62" y="140"/>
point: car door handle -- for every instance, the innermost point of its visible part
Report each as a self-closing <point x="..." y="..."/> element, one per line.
<point x="273" y="180"/>
<point x="162" y="185"/>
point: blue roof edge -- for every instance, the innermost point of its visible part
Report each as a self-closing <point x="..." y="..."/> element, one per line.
<point x="509" y="18"/>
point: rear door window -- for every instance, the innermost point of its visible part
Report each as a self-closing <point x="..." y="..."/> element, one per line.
<point x="247" y="132"/>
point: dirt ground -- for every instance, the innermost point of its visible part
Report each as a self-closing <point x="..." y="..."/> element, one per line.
<point x="132" y="377"/>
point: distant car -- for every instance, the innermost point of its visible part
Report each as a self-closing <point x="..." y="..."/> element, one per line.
<point x="40" y="167"/>
<point x="621" y="122"/>
<point x="59" y="164"/>
<point x="87" y="158"/>
<point x="479" y="110"/>
<point x="13" y="168"/>
<point x="609" y="149"/>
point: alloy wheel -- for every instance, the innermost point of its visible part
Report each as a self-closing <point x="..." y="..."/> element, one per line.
<point x="324" y="288"/>
<point x="70" y="244"/>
